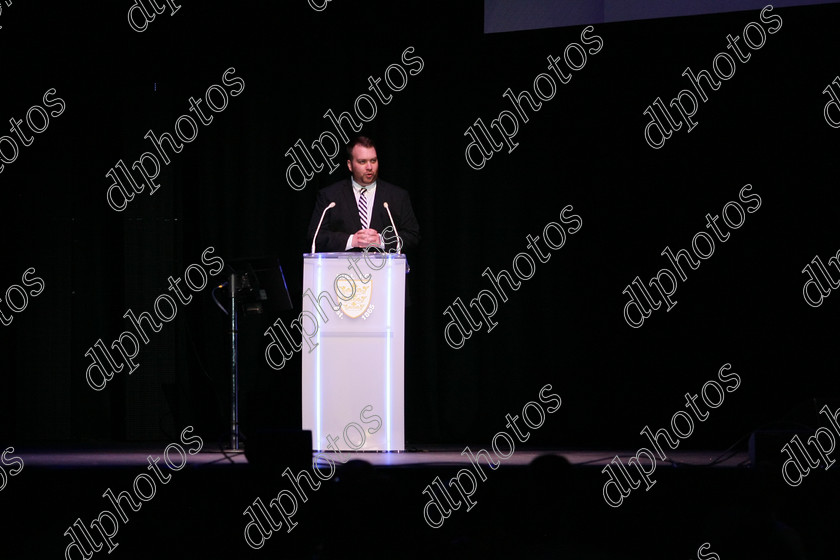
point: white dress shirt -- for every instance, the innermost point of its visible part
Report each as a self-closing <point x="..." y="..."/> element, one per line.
<point x="370" y="195"/>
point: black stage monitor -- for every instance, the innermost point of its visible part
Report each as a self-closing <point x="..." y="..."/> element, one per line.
<point x="261" y="286"/>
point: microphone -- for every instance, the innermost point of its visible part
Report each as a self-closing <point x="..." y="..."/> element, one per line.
<point x="390" y="217"/>
<point x="324" y="213"/>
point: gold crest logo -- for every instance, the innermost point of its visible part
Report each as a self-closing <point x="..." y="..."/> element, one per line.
<point x="360" y="301"/>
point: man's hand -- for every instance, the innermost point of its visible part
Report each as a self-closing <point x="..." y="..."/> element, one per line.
<point x="366" y="238"/>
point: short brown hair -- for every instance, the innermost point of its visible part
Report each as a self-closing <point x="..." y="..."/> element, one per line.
<point x="363" y="141"/>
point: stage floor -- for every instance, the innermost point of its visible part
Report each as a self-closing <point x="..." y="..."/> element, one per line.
<point x="392" y="505"/>
<point x="420" y="456"/>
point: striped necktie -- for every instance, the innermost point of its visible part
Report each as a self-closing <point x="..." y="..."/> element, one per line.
<point x="363" y="209"/>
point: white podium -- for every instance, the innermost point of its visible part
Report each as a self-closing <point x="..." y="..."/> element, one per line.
<point x="353" y="371"/>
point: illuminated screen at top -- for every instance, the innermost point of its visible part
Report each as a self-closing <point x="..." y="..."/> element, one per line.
<point x="520" y="15"/>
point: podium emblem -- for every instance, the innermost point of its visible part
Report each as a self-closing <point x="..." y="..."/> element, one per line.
<point x="360" y="301"/>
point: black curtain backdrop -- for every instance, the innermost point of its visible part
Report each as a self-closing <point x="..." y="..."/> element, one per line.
<point x="227" y="190"/>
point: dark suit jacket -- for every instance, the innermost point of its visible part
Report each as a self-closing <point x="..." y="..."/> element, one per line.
<point x="343" y="220"/>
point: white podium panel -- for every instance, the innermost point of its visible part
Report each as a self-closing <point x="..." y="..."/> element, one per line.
<point x="353" y="370"/>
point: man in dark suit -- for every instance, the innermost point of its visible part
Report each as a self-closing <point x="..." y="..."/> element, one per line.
<point x="359" y="219"/>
